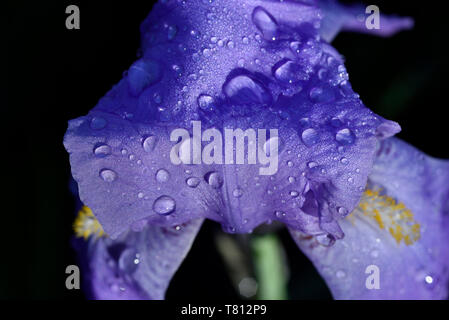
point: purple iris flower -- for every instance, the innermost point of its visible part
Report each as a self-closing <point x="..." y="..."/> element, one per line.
<point x="244" y="65"/>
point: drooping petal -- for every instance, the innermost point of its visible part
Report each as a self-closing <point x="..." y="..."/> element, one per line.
<point x="400" y="227"/>
<point x="139" y="264"/>
<point x="228" y="64"/>
<point x="338" y="17"/>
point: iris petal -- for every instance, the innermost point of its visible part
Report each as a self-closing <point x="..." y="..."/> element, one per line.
<point x="406" y="241"/>
<point x="228" y="64"/>
<point x="138" y="265"/>
<point x="352" y="18"/>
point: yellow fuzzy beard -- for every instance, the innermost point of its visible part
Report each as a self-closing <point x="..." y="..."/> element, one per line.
<point x="393" y="217"/>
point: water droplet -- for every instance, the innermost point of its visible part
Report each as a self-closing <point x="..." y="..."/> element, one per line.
<point x="141" y="74"/>
<point x="140" y="195"/>
<point x="230" y="44"/>
<point x="310" y="137"/>
<point x="312" y="164"/>
<point x="171" y="34"/>
<point x="207" y="52"/>
<point x="344" y="160"/>
<point x="237" y="193"/>
<point x="291" y="179"/>
<point x="242" y="89"/>
<point x="98" y="123"/>
<point x="294" y="194"/>
<point x="342" y="210"/>
<point x="213" y="179"/>
<point x="336" y="123"/>
<point x="102" y="150"/>
<point x="345" y="136"/>
<point x="318" y="94"/>
<point x="340" y="274"/>
<point x="193" y="182"/>
<point x="162" y="175"/>
<point x="325" y="239"/>
<point x="164" y="205"/>
<point x="289" y="72"/>
<point x="294" y="46"/>
<point x="265" y="22"/>
<point x="149" y="143"/>
<point x="129" y="260"/>
<point x="290" y="164"/>
<point x="157" y="98"/>
<point x="205" y="102"/>
<point x="322" y="73"/>
<point x="279" y="214"/>
<point x="304" y="122"/>
<point x="108" y="175"/>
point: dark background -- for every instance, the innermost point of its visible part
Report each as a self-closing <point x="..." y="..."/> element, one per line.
<point x="55" y="74"/>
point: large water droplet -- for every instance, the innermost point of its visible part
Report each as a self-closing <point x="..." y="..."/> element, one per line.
<point x="265" y="22"/>
<point x="289" y="72"/>
<point x="162" y="175"/>
<point x="213" y="179"/>
<point x="310" y="137"/>
<point x="108" y="175"/>
<point x="164" y="205"/>
<point x="242" y="89"/>
<point x="102" y="150"/>
<point x="345" y="136"/>
<point x="149" y="143"/>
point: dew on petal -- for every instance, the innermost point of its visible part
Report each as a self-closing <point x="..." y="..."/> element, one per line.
<point x="162" y="175"/>
<point x="102" y="150"/>
<point x="310" y="137"/>
<point x="213" y="179"/>
<point x="108" y="175"/>
<point x="149" y="143"/>
<point x="345" y="136"/>
<point x="164" y="205"/>
<point x="193" y="182"/>
<point x="98" y="123"/>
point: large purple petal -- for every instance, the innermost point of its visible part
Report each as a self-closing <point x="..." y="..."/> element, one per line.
<point x="413" y="261"/>
<point x="138" y="265"/>
<point x="352" y="18"/>
<point x="229" y="64"/>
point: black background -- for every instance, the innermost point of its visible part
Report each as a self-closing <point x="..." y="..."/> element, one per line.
<point x="55" y="74"/>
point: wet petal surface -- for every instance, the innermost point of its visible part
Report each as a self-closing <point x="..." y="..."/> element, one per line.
<point x="228" y="64"/>
<point x="398" y="232"/>
<point x="139" y="264"/>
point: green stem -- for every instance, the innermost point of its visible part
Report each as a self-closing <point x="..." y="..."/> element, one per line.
<point x="269" y="261"/>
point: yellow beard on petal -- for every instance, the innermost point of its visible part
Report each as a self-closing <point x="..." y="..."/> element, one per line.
<point x="86" y="224"/>
<point x="388" y="215"/>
